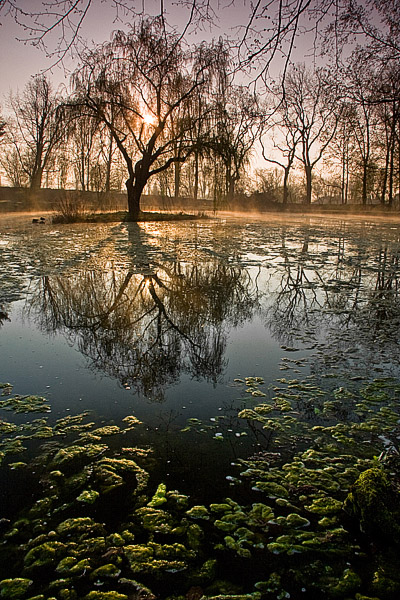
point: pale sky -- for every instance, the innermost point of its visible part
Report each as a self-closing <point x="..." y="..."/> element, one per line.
<point x="20" y="60"/>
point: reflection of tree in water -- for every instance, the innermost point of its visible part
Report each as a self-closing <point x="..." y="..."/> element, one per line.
<point x="147" y="325"/>
<point x="347" y="298"/>
<point x="3" y="314"/>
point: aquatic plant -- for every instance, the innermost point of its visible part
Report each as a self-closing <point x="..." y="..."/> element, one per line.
<point x="97" y="521"/>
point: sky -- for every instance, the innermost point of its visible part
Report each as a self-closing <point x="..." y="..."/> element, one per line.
<point x="20" y="60"/>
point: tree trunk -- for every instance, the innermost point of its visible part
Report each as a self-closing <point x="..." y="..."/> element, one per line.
<point x="36" y="180"/>
<point x="364" y="183"/>
<point x="285" y="185"/>
<point x="343" y="178"/>
<point x="196" y="176"/>
<point x="230" y="188"/>
<point x="177" y="179"/>
<point x="391" y="173"/>
<point x="108" y="166"/>
<point x="308" y="170"/>
<point x="386" y="170"/>
<point x="134" y="190"/>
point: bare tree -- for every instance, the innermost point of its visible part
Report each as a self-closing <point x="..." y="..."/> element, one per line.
<point x="373" y="24"/>
<point x="2" y="127"/>
<point x="84" y="131"/>
<point x="285" y="140"/>
<point x="39" y="127"/>
<point x="389" y="114"/>
<point x="361" y="91"/>
<point x="310" y="102"/>
<point x="63" y="20"/>
<point x="140" y="86"/>
<point x="237" y="126"/>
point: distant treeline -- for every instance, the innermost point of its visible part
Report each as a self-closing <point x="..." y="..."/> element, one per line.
<point x="17" y="199"/>
<point x="14" y="199"/>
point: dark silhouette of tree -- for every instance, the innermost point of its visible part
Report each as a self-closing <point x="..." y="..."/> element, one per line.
<point x="140" y="86"/>
<point x="310" y="101"/>
<point x="63" y="19"/>
<point x="285" y="139"/>
<point x="2" y="126"/>
<point x="237" y="126"/>
<point x="361" y="89"/>
<point x="39" y="127"/>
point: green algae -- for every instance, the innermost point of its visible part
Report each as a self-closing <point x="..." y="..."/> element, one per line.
<point x="44" y="555"/>
<point x="94" y="595"/>
<point x="348" y="584"/>
<point x="106" y="572"/>
<point x="66" y="456"/>
<point x="17" y="465"/>
<point x="375" y="503"/>
<point x="324" y="506"/>
<point x="88" y="496"/>
<point x="78" y="525"/>
<point x="198" y="512"/>
<point x="165" y="539"/>
<point x="131" y="422"/>
<point x="25" y="404"/>
<point x="14" y="588"/>
<point x="156" y="558"/>
<point x="106" y="431"/>
<point x="159" y="497"/>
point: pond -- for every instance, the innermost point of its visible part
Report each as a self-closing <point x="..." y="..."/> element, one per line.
<point x="254" y="360"/>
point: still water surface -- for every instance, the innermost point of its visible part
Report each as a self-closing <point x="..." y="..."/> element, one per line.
<point x="159" y="320"/>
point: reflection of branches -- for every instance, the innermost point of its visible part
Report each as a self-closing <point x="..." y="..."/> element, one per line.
<point x="358" y="294"/>
<point x="145" y="328"/>
<point x="3" y="315"/>
<point x="295" y="302"/>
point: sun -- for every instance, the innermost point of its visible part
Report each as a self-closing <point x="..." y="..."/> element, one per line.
<point x="148" y="118"/>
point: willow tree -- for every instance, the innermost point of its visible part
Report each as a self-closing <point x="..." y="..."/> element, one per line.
<point x="141" y="85"/>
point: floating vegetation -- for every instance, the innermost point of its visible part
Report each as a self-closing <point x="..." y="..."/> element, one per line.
<point x="305" y="529"/>
<point x="25" y="404"/>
